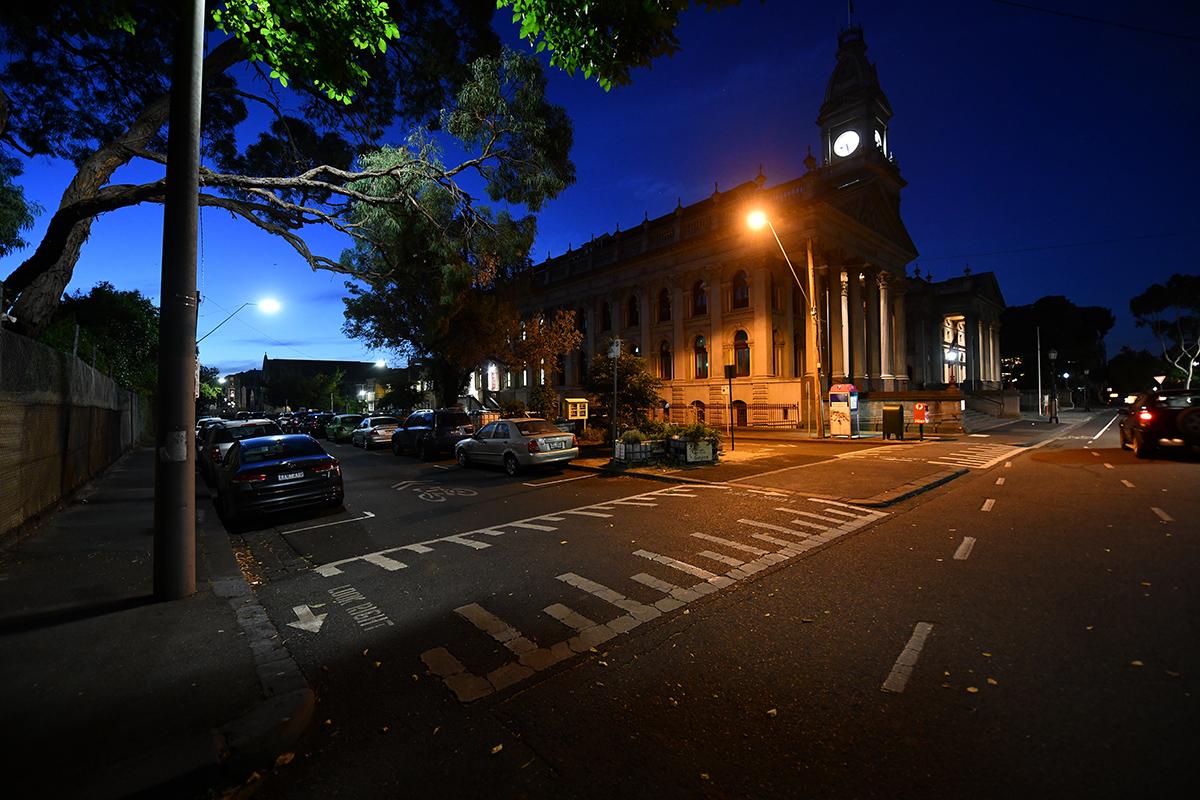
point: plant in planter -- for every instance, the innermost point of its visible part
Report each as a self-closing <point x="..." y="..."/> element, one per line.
<point x="634" y="448"/>
<point x="694" y="444"/>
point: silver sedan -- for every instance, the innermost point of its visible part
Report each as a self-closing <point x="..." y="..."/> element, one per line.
<point x="373" y="431"/>
<point x="518" y="443"/>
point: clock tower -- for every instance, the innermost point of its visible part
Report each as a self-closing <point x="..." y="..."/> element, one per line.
<point x="854" y="117"/>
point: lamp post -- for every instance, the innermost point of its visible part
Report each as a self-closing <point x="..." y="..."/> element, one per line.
<point x="267" y="305"/>
<point x="1053" y="415"/>
<point x="812" y="356"/>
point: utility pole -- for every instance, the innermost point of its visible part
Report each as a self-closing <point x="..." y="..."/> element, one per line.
<point x="614" y="350"/>
<point x="174" y="476"/>
<point x="1038" y="329"/>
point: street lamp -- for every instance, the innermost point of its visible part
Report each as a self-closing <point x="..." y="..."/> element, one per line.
<point x="756" y="220"/>
<point x="268" y="305"/>
<point x="1053" y="415"/>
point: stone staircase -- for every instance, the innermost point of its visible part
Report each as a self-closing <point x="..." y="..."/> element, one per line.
<point x="977" y="421"/>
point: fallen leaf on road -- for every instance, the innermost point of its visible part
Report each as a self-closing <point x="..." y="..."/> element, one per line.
<point x="993" y="682"/>
<point x="328" y="722"/>
<point x="704" y="776"/>
<point x="366" y="651"/>
<point x="1172" y="673"/>
<point x="1136" y="663"/>
<point x="945" y="686"/>
<point x="807" y="619"/>
<point x="972" y="689"/>
<point x="436" y="728"/>
<point x="673" y="701"/>
<point x="384" y="729"/>
<point x="284" y="759"/>
<point x="774" y="712"/>
<point x="564" y="541"/>
<point x="1090" y="627"/>
<point x="497" y="749"/>
<point x="1145" y="583"/>
<point x="987" y="655"/>
<point x="378" y="664"/>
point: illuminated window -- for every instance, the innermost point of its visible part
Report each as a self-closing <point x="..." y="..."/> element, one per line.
<point x="701" y="351"/>
<point x="699" y="299"/>
<point x="741" y="354"/>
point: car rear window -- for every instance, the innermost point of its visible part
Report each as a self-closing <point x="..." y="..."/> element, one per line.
<point x="350" y="419"/>
<point x="253" y="431"/>
<point x="536" y="426"/>
<point x="385" y="421"/>
<point x="280" y="448"/>
<point x="1179" y="400"/>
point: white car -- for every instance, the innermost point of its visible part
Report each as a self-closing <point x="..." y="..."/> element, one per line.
<point x="372" y="431"/>
<point x="517" y="443"/>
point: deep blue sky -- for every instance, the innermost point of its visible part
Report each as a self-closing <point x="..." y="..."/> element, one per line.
<point x="1059" y="153"/>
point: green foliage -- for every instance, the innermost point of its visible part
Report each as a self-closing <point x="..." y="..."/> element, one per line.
<point x="543" y="400"/>
<point x="285" y="36"/>
<point x="1076" y="332"/>
<point x="633" y="437"/>
<point x="209" y="388"/>
<point x="638" y="390"/>
<point x="591" y="435"/>
<point x="1133" y="370"/>
<point x="16" y="212"/>
<point x="602" y="39"/>
<point x="513" y="408"/>
<point x="403" y="397"/>
<point x="1172" y="312"/>
<point x="695" y="432"/>
<point x="118" y="334"/>
<point x="303" y="391"/>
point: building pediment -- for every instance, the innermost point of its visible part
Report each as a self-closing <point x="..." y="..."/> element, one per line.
<point x="867" y="203"/>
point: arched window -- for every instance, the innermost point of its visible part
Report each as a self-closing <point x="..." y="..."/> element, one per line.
<point x="698" y="410"/>
<point x="739" y="413"/>
<point x="605" y="318"/>
<point x="664" y="306"/>
<point x="664" y="361"/>
<point x="741" y="354"/>
<point x="633" y="316"/>
<point x="701" y="348"/>
<point x="741" y="290"/>
<point x="699" y="299"/>
<point x="776" y="347"/>
<point x="581" y="321"/>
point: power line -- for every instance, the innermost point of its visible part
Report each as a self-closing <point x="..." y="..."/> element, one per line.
<point x="1098" y="21"/>
<point x="275" y="342"/>
<point x="1059" y="246"/>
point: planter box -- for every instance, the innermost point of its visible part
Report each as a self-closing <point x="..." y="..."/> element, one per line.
<point x="689" y="452"/>
<point x="640" y="452"/>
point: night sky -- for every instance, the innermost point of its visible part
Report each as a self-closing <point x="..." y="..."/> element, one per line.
<point x="1058" y="152"/>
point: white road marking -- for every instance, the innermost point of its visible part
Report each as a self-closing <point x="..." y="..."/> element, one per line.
<point x="366" y="515"/>
<point x="902" y="670"/>
<point x="987" y="504"/>
<point x="569" y="617"/>
<point x="558" y="480"/>
<point x="728" y="561"/>
<point x="1097" y="455"/>
<point x="1164" y="516"/>
<point x="840" y="513"/>
<point x="587" y="513"/>
<point x="871" y="512"/>
<point x="767" y="493"/>
<point x="495" y="627"/>
<point x="441" y="466"/>
<point x="979" y="435"/>
<point x="532" y="526"/>
<point x="1108" y="466"/>
<point x="390" y="564"/>
<point x="1007" y="464"/>
<point x="768" y="526"/>
<point x="745" y="548"/>
<point x="1102" y="430"/>
<point x="783" y="544"/>
<point x="465" y="542"/>
<point x="1127" y="483"/>
<point x="1000" y="481"/>
<point x="964" y="549"/>
<point x="306" y="620"/>
<point x="639" y="612"/>
<point x="695" y="572"/>
<point x="642" y="503"/>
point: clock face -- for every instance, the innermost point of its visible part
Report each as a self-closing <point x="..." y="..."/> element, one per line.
<point x="846" y="143"/>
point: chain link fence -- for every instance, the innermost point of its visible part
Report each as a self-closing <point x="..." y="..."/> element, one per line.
<point x="61" y="422"/>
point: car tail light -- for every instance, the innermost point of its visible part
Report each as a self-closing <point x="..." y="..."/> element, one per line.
<point x="574" y="440"/>
<point x="215" y="454"/>
<point x="1145" y="416"/>
<point x="327" y="467"/>
<point x="533" y="445"/>
<point x="250" y="477"/>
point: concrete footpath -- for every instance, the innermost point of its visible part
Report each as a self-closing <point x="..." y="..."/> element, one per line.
<point x="108" y="693"/>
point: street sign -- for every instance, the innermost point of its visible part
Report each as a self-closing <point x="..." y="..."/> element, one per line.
<point x="1159" y="379"/>
<point x="614" y="349"/>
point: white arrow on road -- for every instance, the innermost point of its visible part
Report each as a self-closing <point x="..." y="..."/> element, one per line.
<point x="306" y="620"/>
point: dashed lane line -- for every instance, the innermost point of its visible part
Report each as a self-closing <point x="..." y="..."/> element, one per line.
<point x="1164" y="516"/>
<point x="1000" y="481"/>
<point x="964" y="549"/>
<point x="1128" y="485"/>
<point x="987" y="504"/>
<point x="902" y="670"/>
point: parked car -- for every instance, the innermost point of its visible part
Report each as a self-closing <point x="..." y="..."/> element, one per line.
<point x="518" y="443"/>
<point x="372" y="431"/>
<point x="1166" y="418"/>
<point x="430" y="432"/>
<point x="268" y="474"/>
<point x="341" y="426"/>
<point x="220" y="437"/>
<point x="315" y="422"/>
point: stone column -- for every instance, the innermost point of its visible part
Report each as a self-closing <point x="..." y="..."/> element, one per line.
<point x="679" y="348"/>
<point x="857" y="322"/>
<point x="716" y="343"/>
<point x="643" y="296"/>
<point x="846" y="323"/>
<point x="833" y="284"/>
<point x="900" y="337"/>
<point x="873" y="370"/>
<point x="761" y="355"/>
<point x="790" y="351"/>
<point x="885" y="331"/>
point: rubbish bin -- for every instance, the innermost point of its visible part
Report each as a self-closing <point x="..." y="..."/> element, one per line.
<point x="893" y="420"/>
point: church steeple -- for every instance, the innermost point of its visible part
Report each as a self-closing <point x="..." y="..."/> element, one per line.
<point x="856" y="112"/>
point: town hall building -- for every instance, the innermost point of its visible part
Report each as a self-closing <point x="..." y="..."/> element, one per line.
<point x="820" y="295"/>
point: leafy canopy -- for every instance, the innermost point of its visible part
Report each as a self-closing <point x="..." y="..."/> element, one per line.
<point x="1172" y="312"/>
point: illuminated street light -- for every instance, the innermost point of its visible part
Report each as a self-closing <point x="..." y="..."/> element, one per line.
<point x="757" y="220"/>
<point x="268" y="305"/>
<point x="221" y="380"/>
<point x="381" y="363"/>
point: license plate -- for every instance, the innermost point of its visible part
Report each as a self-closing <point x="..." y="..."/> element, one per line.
<point x="557" y="444"/>
<point x="290" y="476"/>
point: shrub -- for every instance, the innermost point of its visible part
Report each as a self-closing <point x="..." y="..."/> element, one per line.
<point x="695" y="432"/>
<point x="653" y="429"/>
<point x="633" y="437"/>
<point x="592" y="435"/>
<point x="512" y="408"/>
<point x="543" y="400"/>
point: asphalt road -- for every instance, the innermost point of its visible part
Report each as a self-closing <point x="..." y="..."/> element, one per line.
<point x="1026" y="630"/>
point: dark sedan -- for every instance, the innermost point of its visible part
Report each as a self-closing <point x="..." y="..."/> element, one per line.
<point x="429" y="433"/>
<point x="1161" y="419"/>
<point x="277" y="473"/>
